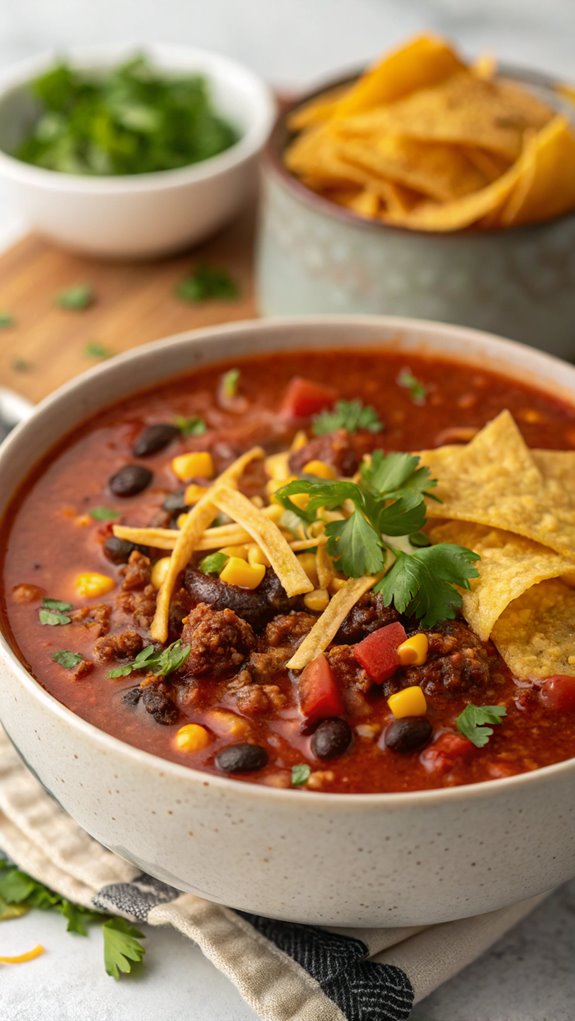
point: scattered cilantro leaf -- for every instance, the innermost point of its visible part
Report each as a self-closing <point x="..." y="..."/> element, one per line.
<point x="417" y="390"/>
<point x="159" y="662"/>
<point x="472" y="722"/>
<point x="349" y="415"/>
<point x="21" y="365"/>
<point x="122" y="947"/>
<point x="207" y="283"/>
<point x="76" y="298"/>
<point x="15" y="886"/>
<point x="96" y="350"/>
<point x="230" y="382"/>
<point x="69" y="660"/>
<point x="190" y="426"/>
<point x="104" y="513"/>
<point x="54" y="612"/>
<point x="8" y="911"/>
<point x="300" y="774"/>
<point x="214" y="563"/>
<point x="421" y="583"/>
<point x="6" y="320"/>
<point x="388" y="501"/>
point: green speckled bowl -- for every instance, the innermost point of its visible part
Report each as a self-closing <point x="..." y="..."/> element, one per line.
<point x="316" y="257"/>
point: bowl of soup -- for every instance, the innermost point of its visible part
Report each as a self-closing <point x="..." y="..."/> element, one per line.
<point x="286" y="615"/>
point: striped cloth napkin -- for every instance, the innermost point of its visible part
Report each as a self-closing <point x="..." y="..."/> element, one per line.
<point x="284" y="971"/>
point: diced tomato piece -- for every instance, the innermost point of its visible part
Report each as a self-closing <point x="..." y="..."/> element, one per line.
<point x="378" y="652"/>
<point x="445" y="753"/>
<point x="318" y="691"/>
<point x="558" y="693"/>
<point x="304" y="398"/>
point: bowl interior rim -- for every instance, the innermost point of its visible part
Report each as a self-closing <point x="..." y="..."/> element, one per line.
<point x="237" y="332"/>
<point x="273" y="162"/>
<point x="251" y="140"/>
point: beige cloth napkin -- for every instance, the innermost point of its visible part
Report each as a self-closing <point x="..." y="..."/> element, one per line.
<point x="285" y="972"/>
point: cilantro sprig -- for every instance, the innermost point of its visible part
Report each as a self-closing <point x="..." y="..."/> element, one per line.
<point x="54" y="612"/>
<point x="472" y="722"/>
<point x="214" y="563"/>
<point x="349" y="415"/>
<point x="417" y="389"/>
<point x="206" y="283"/>
<point x="387" y="508"/>
<point x="20" y="893"/>
<point x="69" y="660"/>
<point x="159" y="662"/>
<point x="190" y="426"/>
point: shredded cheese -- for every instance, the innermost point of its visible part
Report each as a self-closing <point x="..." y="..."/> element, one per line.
<point x="198" y="519"/>
<point x="267" y="535"/>
<point x="22" y="958"/>
<point x="326" y="627"/>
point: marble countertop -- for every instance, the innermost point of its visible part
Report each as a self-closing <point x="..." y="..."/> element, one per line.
<point x="529" y="974"/>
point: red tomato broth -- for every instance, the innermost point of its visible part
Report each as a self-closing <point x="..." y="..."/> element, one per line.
<point x="44" y="545"/>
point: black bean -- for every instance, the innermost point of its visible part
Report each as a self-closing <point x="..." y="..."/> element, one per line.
<point x="131" y="696"/>
<point x="118" y="550"/>
<point x="160" y="705"/>
<point x="175" y="503"/>
<point x="241" y="758"/>
<point x="331" y="739"/>
<point x="130" y="480"/>
<point x="408" y="734"/>
<point x="154" y="438"/>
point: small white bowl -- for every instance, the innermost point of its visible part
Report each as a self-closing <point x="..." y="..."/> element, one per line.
<point x="137" y="215"/>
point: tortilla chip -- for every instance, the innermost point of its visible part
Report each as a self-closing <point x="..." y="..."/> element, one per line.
<point x="509" y="566"/>
<point x="536" y="633"/>
<point x="318" y="110"/>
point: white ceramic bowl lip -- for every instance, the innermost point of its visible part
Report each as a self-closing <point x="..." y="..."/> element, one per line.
<point x="213" y="65"/>
<point x="115" y="746"/>
<point x="273" y="152"/>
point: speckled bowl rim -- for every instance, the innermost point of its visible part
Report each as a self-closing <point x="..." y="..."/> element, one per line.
<point x="385" y="801"/>
<point x="272" y="162"/>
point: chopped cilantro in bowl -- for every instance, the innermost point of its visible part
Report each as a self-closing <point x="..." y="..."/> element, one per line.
<point x="130" y="119"/>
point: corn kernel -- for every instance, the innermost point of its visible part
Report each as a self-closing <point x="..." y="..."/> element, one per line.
<point x="277" y="467"/>
<point x="301" y="500"/>
<point x="194" y="493"/>
<point x="195" y="465"/>
<point x="409" y="702"/>
<point x="240" y="551"/>
<point x="413" y="652"/>
<point x="238" y="572"/>
<point x="272" y="485"/>
<point x="307" y="561"/>
<point x="337" y="583"/>
<point x="257" y="502"/>
<point x="181" y="518"/>
<point x="83" y="520"/>
<point x="321" y="469"/>
<point x="192" y="738"/>
<point x="274" y="512"/>
<point x="257" y="555"/>
<point x="317" y="600"/>
<point x="159" y="571"/>
<point x="299" y="440"/>
<point x="91" y="584"/>
<point x="227" y="724"/>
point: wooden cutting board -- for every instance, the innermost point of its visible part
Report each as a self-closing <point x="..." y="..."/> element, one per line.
<point x="134" y="303"/>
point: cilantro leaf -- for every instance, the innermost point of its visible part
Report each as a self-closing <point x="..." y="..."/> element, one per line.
<point x="322" y="493"/>
<point x="21" y="365"/>
<point x="355" y="545"/>
<point x="69" y="660"/>
<point x="206" y="283"/>
<point x="392" y="474"/>
<point x="159" y="662"/>
<point x="403" y="516"/>
<point x="76" y="298"/>
<point x="214" y="563"/>
<point x="349" y="415"/>
<point x="472" y="722"/>
<point x="54" y="612"/>
<point x="15" y="886"/>
<point x="96" y="350"/>
<point x="122" y="947"/>
<point x="190" y="426"/>
<point x="104" y="513"/>
<point x="300" y="774"/>
<point x="229" y="383"/>
<point x="421" y="583"/>
<point x="6" y="320"/>
<point x="56" y="604"/>
<point x="417" y="390"/>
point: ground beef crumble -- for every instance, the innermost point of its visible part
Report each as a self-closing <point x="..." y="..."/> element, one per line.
<point x="219" y="642"/>
<point x="457" y="661"/>
<point x="122" y="645"/>
<point x="97" y="618"/>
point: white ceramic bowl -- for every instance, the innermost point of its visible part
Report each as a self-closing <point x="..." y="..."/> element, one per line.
<point x="139" y="215"/>
<point x="343" y="859"/>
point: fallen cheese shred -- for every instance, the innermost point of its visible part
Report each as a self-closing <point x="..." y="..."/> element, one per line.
<point x="326" y="627"/>
<point x="267" y="535"/>
<point x="30" y="955"/>
<point x="198" y="519"/>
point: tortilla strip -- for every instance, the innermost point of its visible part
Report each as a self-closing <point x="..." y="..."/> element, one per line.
<point x="535" y="635"/>
<point x="197" y="520"/>
<point x="326" y="627"/>
<point x="324" y="567"/>
<point x="213" y="538"/>
<point x="509" y="566"/>
<point x="267" y="535"/>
